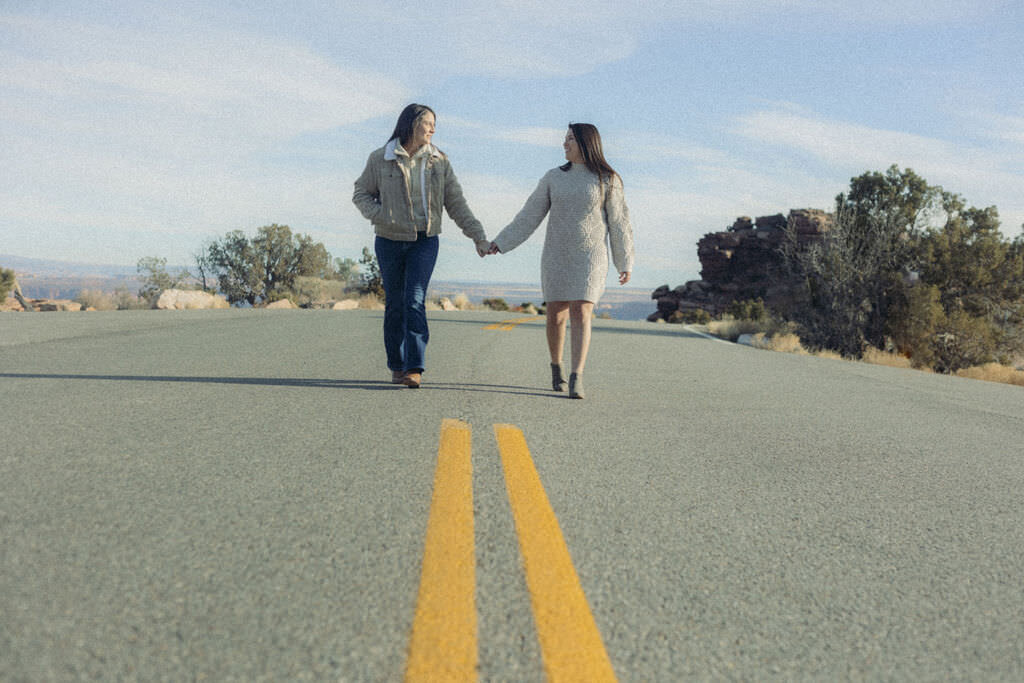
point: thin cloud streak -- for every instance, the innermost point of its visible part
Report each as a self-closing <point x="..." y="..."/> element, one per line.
<point x="980" y="174"/>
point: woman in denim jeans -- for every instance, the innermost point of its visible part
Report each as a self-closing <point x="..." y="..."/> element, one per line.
<point x="402" y="191"/>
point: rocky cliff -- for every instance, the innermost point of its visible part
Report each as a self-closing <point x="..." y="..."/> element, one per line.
<point x="743" y="262"/>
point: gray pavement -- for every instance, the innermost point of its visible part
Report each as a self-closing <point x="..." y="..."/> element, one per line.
<point x="241" y="495"/>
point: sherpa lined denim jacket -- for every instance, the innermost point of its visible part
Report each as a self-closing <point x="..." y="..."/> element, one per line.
<point x="382" y="195"/>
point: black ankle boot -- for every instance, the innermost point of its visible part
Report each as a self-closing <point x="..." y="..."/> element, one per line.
<point x="576" y="385"/>
<point x="557" y="379"/>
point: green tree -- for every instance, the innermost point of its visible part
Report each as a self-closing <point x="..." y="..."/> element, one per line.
<point x="265" y="267"/>
<point x="970" y="262"/>
<point x="7" y="280"/>
<point x="239" y="270"/>
<point x="275" y="249"/>
<point x="371" y="281"/>
<point x="155" y="278"/>
<point x="980" y="277"/>
<point x="312" y="258"/>
<point x="851" y="277"/>
<point x="204" y="268"/>
<point x="911" y="265"/>
<point x="347" y="271"/>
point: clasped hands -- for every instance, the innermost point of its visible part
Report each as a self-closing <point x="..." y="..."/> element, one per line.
<point x="485" y="248"/>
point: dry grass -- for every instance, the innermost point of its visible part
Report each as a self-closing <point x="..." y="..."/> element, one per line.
<point x="95" y="299"/>
<point x="891" y="360"/>
<point x="790" y="343"/>
<point x="462" y="302"/>
<point x="370" y="302"/>
<point x="732" y="329"/>
<point x="785" y="343"/>
<point x="994" y="372"/>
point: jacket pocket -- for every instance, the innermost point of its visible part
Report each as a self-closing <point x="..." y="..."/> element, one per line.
<point x="392" y="195"/>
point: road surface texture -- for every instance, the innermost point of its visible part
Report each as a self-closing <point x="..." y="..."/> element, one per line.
<point x="243" y="495"/>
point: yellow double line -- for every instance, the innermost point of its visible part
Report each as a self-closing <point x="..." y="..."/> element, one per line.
<point x="443" y="645"/>
<point x="510" y="324"/>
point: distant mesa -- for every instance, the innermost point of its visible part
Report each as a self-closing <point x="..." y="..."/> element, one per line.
<point x="741" y="263"/>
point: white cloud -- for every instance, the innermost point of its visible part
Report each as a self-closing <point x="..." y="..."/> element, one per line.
<point x="170" y="132"/>
<point x="983" y="175"/>
<point x="203" y="86"/>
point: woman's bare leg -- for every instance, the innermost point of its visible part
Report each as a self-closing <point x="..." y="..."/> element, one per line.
<point x="557" y="315"/>
<point x="580" y="312"/>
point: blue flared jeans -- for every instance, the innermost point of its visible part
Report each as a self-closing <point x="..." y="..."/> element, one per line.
<point x="405" y="268"/>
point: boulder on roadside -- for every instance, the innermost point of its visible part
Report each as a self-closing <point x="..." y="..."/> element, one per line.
<point x="281" y="303"/>
<point x="346" y="305"/>
<point x="182" y="299"/>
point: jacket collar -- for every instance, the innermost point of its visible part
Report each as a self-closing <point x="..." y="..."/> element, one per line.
<point x="390" y="151"/>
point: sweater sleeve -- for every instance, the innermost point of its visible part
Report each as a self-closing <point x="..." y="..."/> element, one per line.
<point x="620" y="231"/>
<point x="366" y="196"/>
<point x="527" y="220"/>
<point x="457" y="207"/>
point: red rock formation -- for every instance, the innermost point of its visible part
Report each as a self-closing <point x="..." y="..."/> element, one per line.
<point x="742" y="262"/>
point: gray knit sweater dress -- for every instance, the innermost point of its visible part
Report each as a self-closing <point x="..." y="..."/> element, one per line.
<point x="584" y="219"/>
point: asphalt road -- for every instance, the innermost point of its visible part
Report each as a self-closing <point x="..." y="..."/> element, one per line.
<point x="242" y="495"/>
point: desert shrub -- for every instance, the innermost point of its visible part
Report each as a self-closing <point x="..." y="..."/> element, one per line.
<point x="128" y="301"/>
<point x="462" y="302"/>
<point x="496" y="304"/>
<point x="696" y="316"/>
<point x="96" y="299"/>
<point x="963" y="341"/>
<point x="309" y="290"/>
<point x="916" y="316"/>
<point x="750" y="309"/>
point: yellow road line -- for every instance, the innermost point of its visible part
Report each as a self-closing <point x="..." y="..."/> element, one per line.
<point x="569" y="640"/>
<point x="510" y="324"/>
<point x="443" y="645"/>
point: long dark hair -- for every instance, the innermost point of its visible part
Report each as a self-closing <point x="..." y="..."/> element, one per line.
<point x="589" y="141"/>
<point x="407" y="121"/>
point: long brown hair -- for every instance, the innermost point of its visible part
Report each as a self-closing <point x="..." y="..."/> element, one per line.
<point x="589" y="141"/>
<point x="407" y="121"/>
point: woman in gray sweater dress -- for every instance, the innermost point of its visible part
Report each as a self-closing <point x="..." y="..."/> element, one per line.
<point x="586" y="212"/>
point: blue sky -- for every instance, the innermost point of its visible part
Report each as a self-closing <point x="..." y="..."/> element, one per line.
<point x="131" y="129"/>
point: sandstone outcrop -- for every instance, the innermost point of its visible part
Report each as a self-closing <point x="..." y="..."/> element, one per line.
<point x="182" y="299"/>
<point x="345" y="305"/>
<point x="743" y="262"/>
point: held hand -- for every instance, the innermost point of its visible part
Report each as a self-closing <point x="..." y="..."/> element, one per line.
<point x="623" y="277"/>
<point x="494" y="249"/>
<point x="483" y="248"/>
